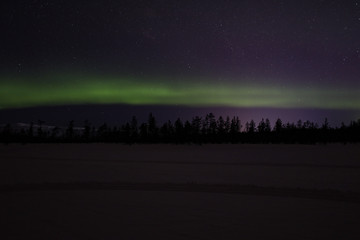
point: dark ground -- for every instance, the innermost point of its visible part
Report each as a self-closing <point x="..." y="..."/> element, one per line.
<point x="113" y="191"/>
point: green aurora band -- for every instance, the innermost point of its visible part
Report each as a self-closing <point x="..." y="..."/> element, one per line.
<point x="74" y="89"/>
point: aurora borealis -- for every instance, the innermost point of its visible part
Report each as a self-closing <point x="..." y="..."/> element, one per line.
<point x="79" y="89"/>
<point x="223" y="54"/>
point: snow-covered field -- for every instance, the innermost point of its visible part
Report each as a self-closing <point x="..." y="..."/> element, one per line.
<point x="113" y="191"/>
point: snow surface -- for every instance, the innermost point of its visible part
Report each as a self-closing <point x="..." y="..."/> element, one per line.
<point x="113" y="191"/>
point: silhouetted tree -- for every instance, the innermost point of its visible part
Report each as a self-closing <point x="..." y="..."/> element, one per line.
<point x="31" y="131"/>
<point x="198" y="130"/>
<point x="134" y="128"/>
<point x="325" y="125"/>
<point x="267" y="126"/>
<point x="221" y="125"/>
<point x="70" y="131"/>
<point x="209" y="125"/>
<point x="40" y="132"/>
<point x="227" y="125"/>
<point x="252" y="127"/>
<point x="167" y="132"/>
<point x="299" y="124"/>
<point x="152" y="128"/>
<point x="8" y="134"/>
<point x="247" y="127"/>
<point x="54" y="134"/>
<point x="126" y="133"/>
<point x="205" y="126"/>
<point x="103" y="133"/>
<point x="179" y="130"/>
<point x="278" y="125"/>
<point x="144" y="132"/>
<point x="263" y="131"/>
<point x="235" y="126"/>
<point x="196" y="125"/>
<point x="261" y="126"/>
<point x="187" y="135"/>
<point x="86" y="132"/>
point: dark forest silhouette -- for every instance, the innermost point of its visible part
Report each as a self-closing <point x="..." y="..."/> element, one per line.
<point x="200" y="130"/>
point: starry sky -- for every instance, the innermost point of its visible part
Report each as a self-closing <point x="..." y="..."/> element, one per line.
<point x="294" y="59"/>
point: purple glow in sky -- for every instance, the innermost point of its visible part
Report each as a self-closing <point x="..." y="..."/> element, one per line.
<point x="304" y="50"/>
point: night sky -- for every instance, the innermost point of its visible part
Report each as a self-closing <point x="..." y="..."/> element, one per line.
<point x="289" y="59"/>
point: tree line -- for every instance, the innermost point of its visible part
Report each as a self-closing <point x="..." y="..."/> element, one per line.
<point x="198" y="130"/>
